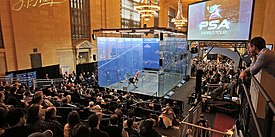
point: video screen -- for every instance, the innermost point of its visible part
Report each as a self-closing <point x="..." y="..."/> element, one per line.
<point x="27" y="78"/>
<point x="151" y="53"/>
<point x="118" y="58"/>
<point x="220" y="20"/>
<point x="269" y="46"/>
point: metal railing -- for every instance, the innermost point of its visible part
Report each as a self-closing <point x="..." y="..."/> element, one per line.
<point x="199" y="131"/>
<point x="188" y="125"/>
<point x="245" y="115"/>
<point x="38" y="83"/>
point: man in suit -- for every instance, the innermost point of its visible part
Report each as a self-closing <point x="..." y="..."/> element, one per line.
<point x="262" y="58"/>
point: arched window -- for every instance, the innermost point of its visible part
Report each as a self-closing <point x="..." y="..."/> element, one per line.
<point x="80" y="20"/>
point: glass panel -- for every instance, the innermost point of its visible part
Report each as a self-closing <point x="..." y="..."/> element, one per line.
<point x="173" y="52"/>
<point x="119" y="56"/>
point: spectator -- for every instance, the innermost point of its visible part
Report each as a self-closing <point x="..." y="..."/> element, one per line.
<point x="94" y="125"/>
<point x="12" y="98"/>
<point x="47" y="133"/>
<point x="131" y="116"/>
<point x="113" y="129"/>
<point x="204" y="123"/>
<point x="189" y="133"/>
<point x="34" y="117"/>
<point x="130" y="131"/>
<point x="3" y="125"/>
<point x="80" y="130"/>
<point x="146" y="129"/>
<point x="15" y="119"/>
<point x="2" y="103"/>
<point x="167" y="117"/>
<point x="262" y="58"/>
<point x="51" y="123"/>
<point x="73" y="119"/>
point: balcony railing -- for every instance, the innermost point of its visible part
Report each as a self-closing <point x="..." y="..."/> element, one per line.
<point x="188" y="127"/>
<point x="245" y="123"/>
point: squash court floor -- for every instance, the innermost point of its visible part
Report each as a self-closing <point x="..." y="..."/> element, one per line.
<point x="148" y="84"/>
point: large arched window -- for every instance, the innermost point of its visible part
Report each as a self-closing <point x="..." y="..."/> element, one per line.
<point x="80" y="20"/>
<point x="171" y="15"/>
<point x="130" y="18"/>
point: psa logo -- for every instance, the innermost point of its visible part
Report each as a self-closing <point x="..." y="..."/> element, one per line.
<point x="214" y="24"/>
<point x="214" y="11"/>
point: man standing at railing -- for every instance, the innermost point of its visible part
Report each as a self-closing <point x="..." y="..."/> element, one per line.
<point x="262" y="58"/>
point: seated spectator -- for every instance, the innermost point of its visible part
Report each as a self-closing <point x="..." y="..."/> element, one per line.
<point x="146" y="129"/>
<point x="80" y="130"/>
<point x="3" y="125"/>
<point x="118" y="111"/>
<point x="12" y="98"/>
<point x="131" y="132"/>
<point x="34" y="117"/>
<point x="51" y="123"/>
<point x="94" y="125"/>
<point x="15" y="119"/>
<point x="38" y="98"/>
<point x="66" y="102"/>
<point x="94" y="108"/>
<point x="113" y="129"/>
<point x="2" y="103"/>
<point x="73" y="119"/>
<point x="27" y="96"/>
<point x="131" y="116"/>
<point x="47" y="133"/>
<point x="99" y="99"/>
<point x="167" y="117"/>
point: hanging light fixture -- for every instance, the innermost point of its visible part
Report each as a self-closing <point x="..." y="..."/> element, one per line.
<point x="147" y="8"/>
<point x="179" y="20"/>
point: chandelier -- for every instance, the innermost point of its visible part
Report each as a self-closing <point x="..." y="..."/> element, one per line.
<point x="147" y="8"/>
<point x="179" y="20"/>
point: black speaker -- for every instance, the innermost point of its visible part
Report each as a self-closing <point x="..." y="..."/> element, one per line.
<point x="198" y="81"/>
<point x="93" y="36"/>
<point x="94" y="57"/>
<point x="160" y="62"/>
<point x="161" y="36"/>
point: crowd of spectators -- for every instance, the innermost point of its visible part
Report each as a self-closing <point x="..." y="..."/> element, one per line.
<point x="219" y="81"/>
<point x="78" y="108"/>
<point x="83" y="78"/>
<point x="221" y="73"/>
